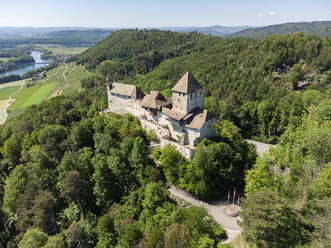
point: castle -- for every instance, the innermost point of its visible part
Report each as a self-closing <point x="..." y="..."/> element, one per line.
<point x="180" y="120"/>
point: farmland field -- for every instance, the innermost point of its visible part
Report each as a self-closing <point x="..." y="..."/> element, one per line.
<point x="64" y="79"/>
<point x="63" y="49"/>
<point x="5" y="93"/>
<point x="39" y="95"/>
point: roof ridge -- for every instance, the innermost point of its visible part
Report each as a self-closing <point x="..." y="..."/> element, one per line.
<point x="187" y="84"/>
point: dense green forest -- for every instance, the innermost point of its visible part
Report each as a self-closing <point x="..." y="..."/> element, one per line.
<point x="277" y="90"/>
<point x="263" y="86"/>
<point x="320" y="28"/>
<point x="289" y="191"/>
<point x="71" y="177"/>
<point x="219" y="165"/>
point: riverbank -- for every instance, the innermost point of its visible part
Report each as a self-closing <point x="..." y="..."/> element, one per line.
<point x="62" y="80"/>
<point x="34" y="64"/>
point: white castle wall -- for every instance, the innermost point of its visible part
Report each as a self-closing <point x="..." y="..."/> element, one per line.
<point x="179" y="101"/>
<point x="195" y="100"/>
<point x="186" y="151"/>
<point x="207" y="130"/>
<point x="161" y="125"/>
<point x="187" y="102"/>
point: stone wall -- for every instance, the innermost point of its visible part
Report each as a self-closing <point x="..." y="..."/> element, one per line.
<point x="179" y="102"/>
<point x="207" y="129"/>
<point x="195" y="100"/>
<point x="187" y="102"/>
<point x="159" y="123"/>
<point x="184" y="150"/>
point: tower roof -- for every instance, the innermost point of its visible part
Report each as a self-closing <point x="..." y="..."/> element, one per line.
<point x="187" y="84"/>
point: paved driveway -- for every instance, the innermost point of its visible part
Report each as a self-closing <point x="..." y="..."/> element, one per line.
<point x="216" y="210"/>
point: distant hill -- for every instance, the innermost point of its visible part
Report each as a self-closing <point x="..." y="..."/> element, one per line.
<point x="8" y="33"/>
<point x="317" y="28"/>
<point x="31" y="32"/>
<point x="257" y="82"/>
<point x="61" y="36"/>
<point x="216" y="30"/>
<point x="93" y="36"/>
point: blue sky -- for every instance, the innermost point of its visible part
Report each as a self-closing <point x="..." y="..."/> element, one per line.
<point x="157" y="13"/>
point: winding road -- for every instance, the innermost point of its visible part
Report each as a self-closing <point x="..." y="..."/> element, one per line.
<point x="216" y="210"/>
<point x="4" y="104"/>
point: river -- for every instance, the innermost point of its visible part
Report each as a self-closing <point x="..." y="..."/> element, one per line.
<point x="29" y="67"/>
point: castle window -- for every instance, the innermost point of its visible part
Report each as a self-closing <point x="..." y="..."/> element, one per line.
<point x="200" y="93"/>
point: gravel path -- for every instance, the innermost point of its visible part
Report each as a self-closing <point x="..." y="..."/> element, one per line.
<point x="217" y="211"/>
<point x="260" y="147"/>
<point x="3" y="114"/>
<point x="4" y="105"/>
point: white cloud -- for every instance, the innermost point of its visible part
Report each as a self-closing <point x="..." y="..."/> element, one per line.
<point x="260" y="16"/>
<point x="272" y="13"/>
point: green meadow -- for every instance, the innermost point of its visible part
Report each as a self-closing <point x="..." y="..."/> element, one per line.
<point x="53" y="85"/>
<point x="58" y="49"/>
<point x="5" y="93"/>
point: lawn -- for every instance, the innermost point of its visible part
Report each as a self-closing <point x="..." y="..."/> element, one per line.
<point x="8" y="91"/>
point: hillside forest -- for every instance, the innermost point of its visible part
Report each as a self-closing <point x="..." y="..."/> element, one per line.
<point x="72" y="176"/>
<point x="262" y="86"/>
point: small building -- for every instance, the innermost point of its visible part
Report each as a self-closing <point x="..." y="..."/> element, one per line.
<point x="155" y="101"/>
<point x="181" y="121"/>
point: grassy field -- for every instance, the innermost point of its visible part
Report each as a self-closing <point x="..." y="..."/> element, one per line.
<point x="22" y="96"/>
<point x="8" y="91"/>
<point x="54" y="84"/>
<point x="74" y="76"/>
<point x="56" y="49"/>
<point x="39" y="95"/>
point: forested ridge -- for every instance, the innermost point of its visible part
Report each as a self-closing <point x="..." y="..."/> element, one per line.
<point x="263" y="86"/>
<point x="72" y="177"/>
<point x="320" y="28"/>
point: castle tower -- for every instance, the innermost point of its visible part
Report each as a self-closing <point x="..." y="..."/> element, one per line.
<point x="187" y="94"/>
